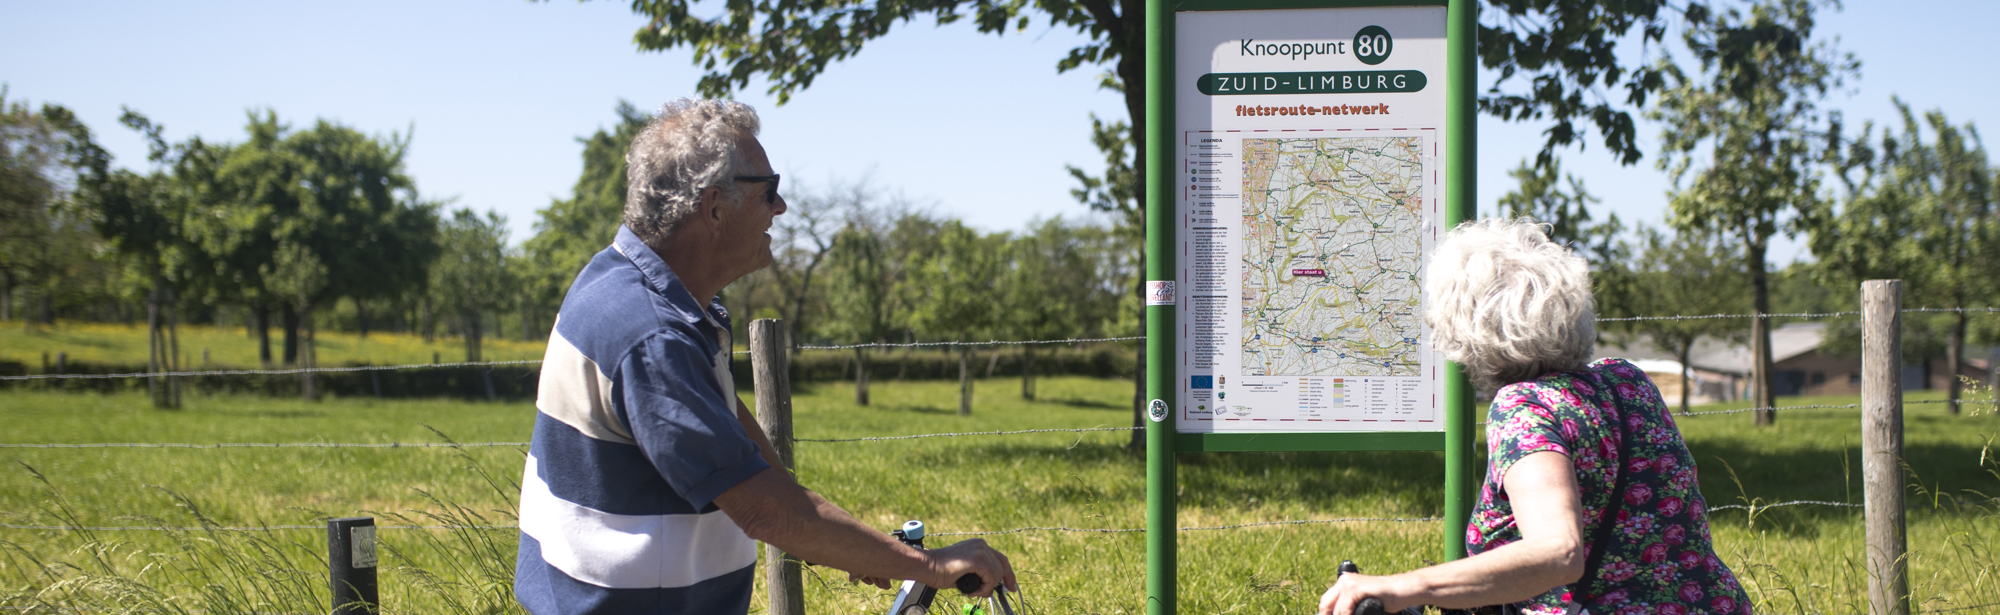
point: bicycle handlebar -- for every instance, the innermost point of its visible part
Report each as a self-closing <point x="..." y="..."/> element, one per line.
<point x="1367" y="606"/>
<point x="969" y="583"/>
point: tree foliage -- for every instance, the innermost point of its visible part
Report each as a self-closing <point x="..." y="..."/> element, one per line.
<point x="46" y="240"/>
<point x="1555" y="59"/>
<point x="1922" y="211"/>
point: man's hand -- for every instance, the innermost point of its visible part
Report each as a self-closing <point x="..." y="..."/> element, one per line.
<point x="974" y="557"/>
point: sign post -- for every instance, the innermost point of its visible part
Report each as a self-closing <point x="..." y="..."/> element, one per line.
<point x="1303" y="158"/>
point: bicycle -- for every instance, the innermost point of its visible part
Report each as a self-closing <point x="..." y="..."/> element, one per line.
<point x="915" y="598"/>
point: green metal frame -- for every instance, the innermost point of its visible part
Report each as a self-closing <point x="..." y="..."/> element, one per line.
<point x="1162" y="383"/>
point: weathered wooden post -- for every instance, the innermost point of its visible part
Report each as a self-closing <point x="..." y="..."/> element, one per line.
<point x="350" y="560"/>
<point x="770" y="367"/>
<point x="1882" y="446"/>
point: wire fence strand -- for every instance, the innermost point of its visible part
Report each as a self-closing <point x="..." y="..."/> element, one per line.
<point x="988" y="343"/>
<point x="272" y="372"/>
<point x="967" y="433"/>
<point x="817" y="440"/>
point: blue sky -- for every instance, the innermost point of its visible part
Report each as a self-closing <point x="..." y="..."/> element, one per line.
<point x="979" y="127"/>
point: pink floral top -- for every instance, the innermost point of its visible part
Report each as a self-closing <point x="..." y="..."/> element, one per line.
<point x="1660" y="559"/>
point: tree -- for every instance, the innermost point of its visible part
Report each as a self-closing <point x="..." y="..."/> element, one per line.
<point x="1751" y="116"/>
<point x="1689" y="274"/>
<point x="1053" y="289"/>
<point x="805" y="240"/>
<point x="1924" y="212"/>
<point x="46" y="157"/>
<point x="961" y="295"/>
<point x="299" y="219"/>
<point x="471" y="278"/>
<point x="146" y="219"/>
<point x="866" y="276"/>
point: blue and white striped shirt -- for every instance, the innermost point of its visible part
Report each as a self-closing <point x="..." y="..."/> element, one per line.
<point x="635" y="435"/>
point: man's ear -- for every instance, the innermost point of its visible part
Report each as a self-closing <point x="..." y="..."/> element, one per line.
<point x="710" y="208"/>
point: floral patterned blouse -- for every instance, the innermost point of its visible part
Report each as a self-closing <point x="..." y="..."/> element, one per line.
<point x="1660" y="559"/>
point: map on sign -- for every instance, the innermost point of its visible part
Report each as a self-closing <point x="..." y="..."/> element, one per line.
<point x="1331" y="256"/>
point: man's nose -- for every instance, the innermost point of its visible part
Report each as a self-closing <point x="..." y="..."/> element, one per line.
<point x="778" y="206"/>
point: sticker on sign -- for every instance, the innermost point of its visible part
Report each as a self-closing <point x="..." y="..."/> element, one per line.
<point x="363" y="541"/>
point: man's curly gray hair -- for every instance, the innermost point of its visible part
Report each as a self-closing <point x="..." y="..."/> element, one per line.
<point x="1508" y="303"/>
<point x="689" y="147"/>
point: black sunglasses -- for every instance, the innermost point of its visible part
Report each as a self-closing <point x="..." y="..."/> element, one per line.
<point x="770" y="193"/>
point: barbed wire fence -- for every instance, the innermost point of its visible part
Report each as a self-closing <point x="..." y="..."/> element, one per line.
<point x="1752" y="507"/>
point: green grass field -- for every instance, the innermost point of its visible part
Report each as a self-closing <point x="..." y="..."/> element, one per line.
<point x="1794" y="559"/>
<point x="232" y="347"/>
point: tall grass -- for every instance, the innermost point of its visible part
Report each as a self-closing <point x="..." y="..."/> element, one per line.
<point x="1804" y="559"/>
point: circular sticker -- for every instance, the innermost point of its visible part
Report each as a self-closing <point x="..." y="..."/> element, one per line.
<point x="1157" y="411"/>
<point x="1372" y="45"/>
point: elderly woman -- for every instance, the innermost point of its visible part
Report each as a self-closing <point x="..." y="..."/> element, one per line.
<point x="1590" y="501"/>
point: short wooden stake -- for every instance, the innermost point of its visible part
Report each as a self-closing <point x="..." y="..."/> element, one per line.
<point x="1882" y="446"/>
<point x="350" y="560"/>
<point x="770" y="366"/>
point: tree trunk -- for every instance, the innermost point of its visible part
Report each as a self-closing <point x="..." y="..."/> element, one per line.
<point x="153" y="345"/>
<point x="965" y="381"/>
<point x="260" y="315"/>
<point x="1138" y="441"/>
<point x="1954" y="353"/>
<point x="1687" y="371"/>
<point x="308" y="359"/>
<point x="993" y="363"/>
<point x="1028" y="372"/>
<point x="173" y="348"/>
<point x="361" y="317"/>
<point x="1761" y="377"/>
<point x="288" y="319"/>
<point x="6" y="295"/>
<point x="472" y="336"/>
<point x="429" y="318"/>
<point x="861" y="376"/>
<point x="527" y="321"/>
<point x="1132" y="71"/>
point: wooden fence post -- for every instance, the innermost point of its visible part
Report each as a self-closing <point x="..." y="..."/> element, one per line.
<point x="1882" y="446"/>
<point x="350" y="561"/>
<point x="770" y="367"/>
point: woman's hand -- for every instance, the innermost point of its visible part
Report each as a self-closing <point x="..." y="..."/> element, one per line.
<point x="1353" y="587"/>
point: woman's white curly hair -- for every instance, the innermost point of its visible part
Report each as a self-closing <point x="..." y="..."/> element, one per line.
<point x="1509" y="304"/>
<point x="689" y="147"/>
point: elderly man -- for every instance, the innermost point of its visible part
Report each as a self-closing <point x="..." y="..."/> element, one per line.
<point x="647" y="479"/>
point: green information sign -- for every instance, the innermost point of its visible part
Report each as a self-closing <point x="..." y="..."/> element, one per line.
<point x="1301" y="164"/>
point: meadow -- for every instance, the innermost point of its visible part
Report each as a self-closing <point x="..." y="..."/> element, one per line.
<point x="120" y="344"/>
<point x="1794" y="559"/>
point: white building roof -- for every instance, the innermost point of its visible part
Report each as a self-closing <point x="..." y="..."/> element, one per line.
<point x="1715" y="355"/>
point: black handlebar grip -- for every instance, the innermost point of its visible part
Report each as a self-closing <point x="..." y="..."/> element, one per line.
<point x="1347" y="566"/>
<point x="1369" y="606"/>
<point x="969" y="583"/>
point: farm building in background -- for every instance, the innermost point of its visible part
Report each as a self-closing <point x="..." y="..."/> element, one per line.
<point x="1721" y="369"/>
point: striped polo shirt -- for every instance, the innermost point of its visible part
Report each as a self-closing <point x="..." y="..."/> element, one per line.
<point x="635" y="435"/>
